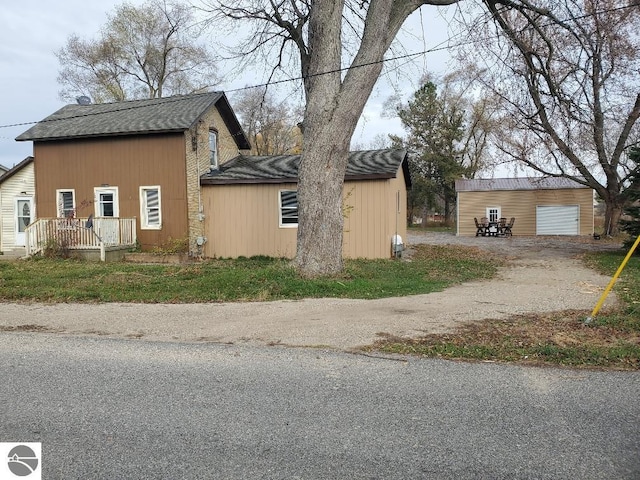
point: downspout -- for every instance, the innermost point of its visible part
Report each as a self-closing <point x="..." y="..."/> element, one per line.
<point x="200" y="207"/>
<point x="199" y="244"/>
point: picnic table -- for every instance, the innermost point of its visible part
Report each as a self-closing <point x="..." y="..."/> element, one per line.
<point x="500" y="228"/>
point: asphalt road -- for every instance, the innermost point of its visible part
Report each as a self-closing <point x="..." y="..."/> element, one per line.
<point x="133" y="409"/>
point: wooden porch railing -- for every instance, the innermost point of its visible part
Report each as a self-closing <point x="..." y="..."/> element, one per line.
<point x="73" y="234"/>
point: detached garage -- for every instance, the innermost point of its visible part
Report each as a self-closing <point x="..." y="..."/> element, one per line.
<point x="540" y="206"/>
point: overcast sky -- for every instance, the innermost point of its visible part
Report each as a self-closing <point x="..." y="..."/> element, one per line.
<point x="32" y="30"/>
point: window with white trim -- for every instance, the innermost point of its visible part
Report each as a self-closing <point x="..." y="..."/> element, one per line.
<point x="493" y="214"/>
<point x="150" y="208"/>
<point x="66" y="203"/>
<point x="106" y="202"/>
<point x="288" y="208"/>
<point x="213" y="149"/>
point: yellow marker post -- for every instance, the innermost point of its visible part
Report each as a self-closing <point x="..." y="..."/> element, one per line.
<point x="603" y="297"/>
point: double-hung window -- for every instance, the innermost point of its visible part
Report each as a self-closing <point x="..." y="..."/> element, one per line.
<point x="66" y="203"/>
<point x="288" y="208"/>
<point x="150" y="208"/>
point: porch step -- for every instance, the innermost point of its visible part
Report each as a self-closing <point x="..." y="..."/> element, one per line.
<point x="14" y="254"/>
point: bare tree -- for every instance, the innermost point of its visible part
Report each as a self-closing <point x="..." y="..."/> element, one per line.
<point x="339" y="46"/>
<point x="326" y="35"/>
<point x="272" y="126"/>
<point x="142" y="52"/>
<point x="567" y="74"/>
<point x="447" y="132"/>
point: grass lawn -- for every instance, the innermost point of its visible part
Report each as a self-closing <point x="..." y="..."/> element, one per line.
<point x="432" y="268"/>
<point x="612" y="340"/>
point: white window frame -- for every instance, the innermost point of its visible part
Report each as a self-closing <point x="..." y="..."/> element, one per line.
<point x="498" y="213"/>
<point x="280" y="209"/>
<point x="144" y="215"/>
<point x="59" y="206"/>
<point x="116" y="200"/>
<point x="213" y="152"/>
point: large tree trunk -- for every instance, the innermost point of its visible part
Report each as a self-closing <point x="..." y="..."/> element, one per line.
<point x="335" y="100"/>
<point x="333" y="107"/>
<point x="613" y="212"/>
<point x="320" y="227"/>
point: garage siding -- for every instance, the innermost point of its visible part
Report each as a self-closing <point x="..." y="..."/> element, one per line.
<point x="522" y="205"/>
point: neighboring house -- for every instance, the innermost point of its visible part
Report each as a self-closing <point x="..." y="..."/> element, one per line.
<point x="3" y="170"/>
<point x="252" y="208"/>
<point x="541" y="206"/>
<point x="137" y="159"/>
<point x="17" y="206"/>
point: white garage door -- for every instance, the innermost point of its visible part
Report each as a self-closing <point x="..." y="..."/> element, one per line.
<point x="557" y="219"/>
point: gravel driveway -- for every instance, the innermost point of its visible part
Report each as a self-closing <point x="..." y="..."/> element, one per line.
<point x="544" y="275"/>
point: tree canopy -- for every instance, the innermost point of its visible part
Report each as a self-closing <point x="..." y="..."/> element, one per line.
<point x="271" y="125"/>
<point x="146" y="51"/>
<point x="446" y="139"/>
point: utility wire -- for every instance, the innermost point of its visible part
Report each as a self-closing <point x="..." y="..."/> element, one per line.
<point x="445" y="45"/>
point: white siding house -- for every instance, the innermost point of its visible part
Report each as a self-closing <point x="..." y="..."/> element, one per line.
<point x="17" y="205"/>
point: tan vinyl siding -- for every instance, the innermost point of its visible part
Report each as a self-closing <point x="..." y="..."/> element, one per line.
<point x="243" y="220"/>
<point x="522" y="204"/>
<point x="370" y="220"/>
<point x="123" y="162"/>
<point x="22" y="181"/>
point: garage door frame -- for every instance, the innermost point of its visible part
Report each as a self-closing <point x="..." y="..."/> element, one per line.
<point x="557" y="219"/>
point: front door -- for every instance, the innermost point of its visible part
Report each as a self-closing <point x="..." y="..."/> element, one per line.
<point x="23" y="218"/>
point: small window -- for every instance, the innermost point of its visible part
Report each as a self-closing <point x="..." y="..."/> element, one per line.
<point x="213" y="149"/>
<point x="288" y="208"/>
<point x="150" y="208"/>
<point x="106" y="202"/>
<point x="493" y="214"/>
<point x="66" y="201"/>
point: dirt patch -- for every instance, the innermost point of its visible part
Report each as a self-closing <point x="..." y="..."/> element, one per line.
<point x="539" y="247"/>
<point x="542" y="275"/>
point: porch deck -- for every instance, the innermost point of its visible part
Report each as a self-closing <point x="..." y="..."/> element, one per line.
<point x="75" y="234"/>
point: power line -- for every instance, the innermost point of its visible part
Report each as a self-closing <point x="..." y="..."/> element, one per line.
<point x="445" y="45"/>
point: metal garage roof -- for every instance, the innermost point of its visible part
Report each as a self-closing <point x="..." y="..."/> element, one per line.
<point x="524" y="183"/>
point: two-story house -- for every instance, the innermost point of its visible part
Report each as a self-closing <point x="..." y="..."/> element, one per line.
<point x="140" y="158"/>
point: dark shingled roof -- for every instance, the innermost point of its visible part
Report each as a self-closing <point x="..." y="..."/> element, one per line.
<point x="524" y="183"/>
<point x="157" y="115"/>
<point x="364" y="165"/>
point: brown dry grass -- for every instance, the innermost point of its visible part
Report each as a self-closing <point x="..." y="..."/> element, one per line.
<point x="558" y="338"/>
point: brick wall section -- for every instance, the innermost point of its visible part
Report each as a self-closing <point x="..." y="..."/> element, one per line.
<point x="198" y="163"/>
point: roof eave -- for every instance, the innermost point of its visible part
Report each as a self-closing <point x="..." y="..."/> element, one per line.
<point x="245" y="181"/>
<point x="102" y="135"/>
<point x="254" y="181"/>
